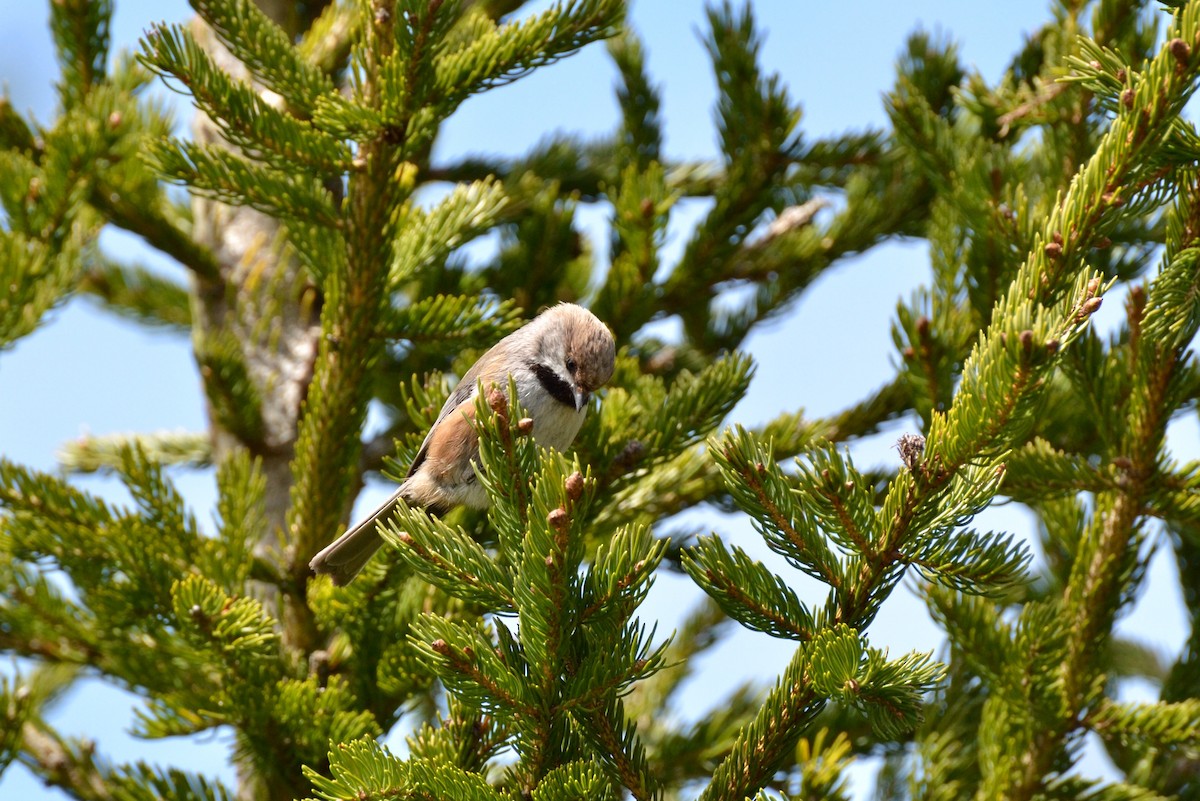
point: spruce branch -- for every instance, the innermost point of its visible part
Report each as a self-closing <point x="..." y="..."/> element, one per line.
<point x="1161" y="724"/>
<point x="449" y="559"/>
<point x="993" y="561"/>
<point x="1012" y="366"/>
<point x="620" y="575"/>
<point x="266" y="50"/>
<point x="327" y="444"/>
<point x="94" y="453"/>
<point x="363" y="770"/>
<point x="459" y="322"/>
<point x="15" y="133"/>
<point x="139" y="294"/>
<point x="424" y="239"/>
<point x="366" y="771"/>
<point x="617" y="746"/>
<point x="787" y="710"/>
<point x="607" y="672"/>
<point x="576" y="650"/>
<point x="1107" y="551"/>
<point x="242" y="116"/>
<point x="575" y="781"/>
<point x="236" y="403"/>
<point x="641" y="207"/>
<point x="81" y="37"/>
<point x="758" y="599"/>
<point x="242" y="517"/>
<point x="13" y="712"/>
<point x="692" y="478"/>
<point x="217" y="173"/>
<point x="1039" y="471"/>
<point x="756" y="121"/>
<point x="161" y="230"/>
<point x="497" y="55"/>
<point x="546" y="589"/>
<point x="581" y="168"/>
<point x="640" y="137"/>
<point x="1041" y="404"/>
<point x="43" y="199"/>
<point x="142" y="782"/>
<point x="328" y="41"/>
<point x="37" y="279"/>
<point x="33" y="609"/>
<point x="463" y="737"/>
<point x="507" y="455"/>
<point x="1125" y="163"/>
<point x="760" y="487"/>
<point x="479" y="674"/>
<point x="70" y="766"/>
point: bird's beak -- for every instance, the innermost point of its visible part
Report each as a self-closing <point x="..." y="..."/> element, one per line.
<point x="582" y="396"/>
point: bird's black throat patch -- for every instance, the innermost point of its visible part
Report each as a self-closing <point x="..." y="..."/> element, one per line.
<point x="554" y="384"/>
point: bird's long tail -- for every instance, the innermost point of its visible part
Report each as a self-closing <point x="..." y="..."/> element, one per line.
<point x="343" y="558"/>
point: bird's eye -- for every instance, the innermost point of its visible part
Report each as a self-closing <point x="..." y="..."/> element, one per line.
<point x="571" y="365"/>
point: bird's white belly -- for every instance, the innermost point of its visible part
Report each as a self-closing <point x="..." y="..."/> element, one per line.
<point x="554" y="424"/>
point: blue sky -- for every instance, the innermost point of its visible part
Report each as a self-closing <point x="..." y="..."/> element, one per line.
<point x="87" y="372"/>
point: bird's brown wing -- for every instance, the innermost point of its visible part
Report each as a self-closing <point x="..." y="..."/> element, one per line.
<point x="463" y="393"/>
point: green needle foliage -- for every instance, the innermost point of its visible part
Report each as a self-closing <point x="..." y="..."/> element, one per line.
<point x="322" y="248"/>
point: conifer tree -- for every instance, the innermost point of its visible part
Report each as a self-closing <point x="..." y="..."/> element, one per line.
<point x="510" y="640"/>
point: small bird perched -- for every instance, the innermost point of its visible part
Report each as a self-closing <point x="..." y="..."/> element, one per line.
<point x="557" y="360"/>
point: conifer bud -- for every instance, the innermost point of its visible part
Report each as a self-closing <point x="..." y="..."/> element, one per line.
<point x="525" y="426"/>
<point x="575" y="486"/>
<point x="558" y="519"/>
<point x="912" y="448"/>
<point x="497" y="402"/>
<point x="1053" y="250"/>
<point x="1181" y="51"/>
<point x="630" y="455"/>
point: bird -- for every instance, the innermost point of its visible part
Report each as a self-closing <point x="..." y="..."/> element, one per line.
<point x="557" y="360"/>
